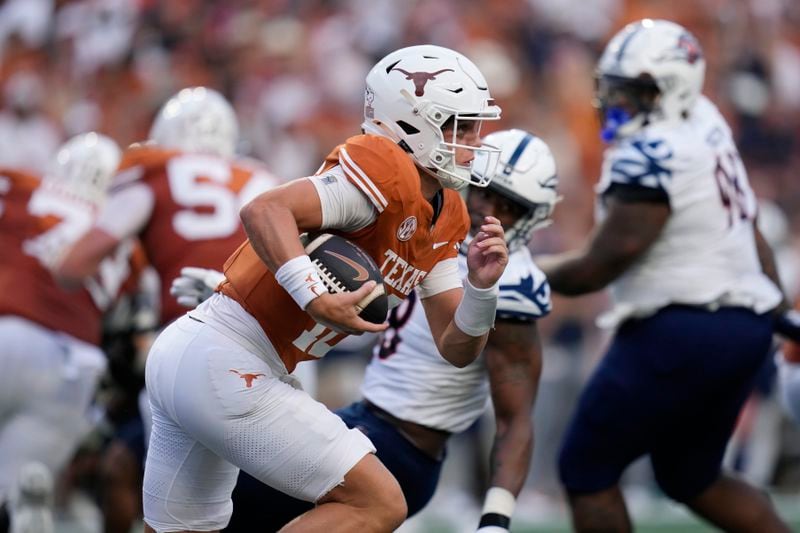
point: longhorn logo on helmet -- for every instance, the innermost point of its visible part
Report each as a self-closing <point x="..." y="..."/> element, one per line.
<point x="420" y="79"/>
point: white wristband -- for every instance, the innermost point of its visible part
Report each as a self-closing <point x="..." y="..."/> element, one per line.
<point x="475" y="314"/>
<point x="299" y="277"/>
<point x="498" y="507"/>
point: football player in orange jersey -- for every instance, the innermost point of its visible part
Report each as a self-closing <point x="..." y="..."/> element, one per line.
<point x="218" y="378"/>
<point x="413" y="400"/>
<point x="180" y="193"/>
<point x="49" y="337"/>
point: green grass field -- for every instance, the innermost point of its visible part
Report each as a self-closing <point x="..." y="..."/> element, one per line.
<point x="688" y="526"/>
<point x="662" y="517"/>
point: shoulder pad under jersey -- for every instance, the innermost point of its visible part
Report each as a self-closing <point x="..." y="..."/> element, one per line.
<point x="380" y="169"/>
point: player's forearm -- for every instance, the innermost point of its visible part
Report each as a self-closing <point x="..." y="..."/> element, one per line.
<point x="511" y="452"/>
<point x="767" y="259"/>
<point x="460" y="349"/>
<point x="83" y="258"/>
<point x="511" y="456"/>
<point x="273" y="231"/>
<point x="465" y="336"/>
<point x="574" y="273"/>
<point x="628" y="231"/>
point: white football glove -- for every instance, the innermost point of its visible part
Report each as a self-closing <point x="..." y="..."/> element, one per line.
<point x="195" y="285"/>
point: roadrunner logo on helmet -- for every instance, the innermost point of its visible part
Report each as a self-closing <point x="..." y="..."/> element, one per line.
<point x="413" y="92"/>
<point x="652" y="70"/>
<point x="526" y="175"/>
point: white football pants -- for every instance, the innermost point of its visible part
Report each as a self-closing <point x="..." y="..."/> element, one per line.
<point x="47" y="382"/>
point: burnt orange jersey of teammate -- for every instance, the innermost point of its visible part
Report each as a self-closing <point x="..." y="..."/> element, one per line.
<point x="195" y="217"/>
<point x="401" y="240"/>
<point x="27" y="289"/>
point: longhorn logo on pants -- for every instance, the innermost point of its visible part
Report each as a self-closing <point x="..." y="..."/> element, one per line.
<point x="247" y="377"/>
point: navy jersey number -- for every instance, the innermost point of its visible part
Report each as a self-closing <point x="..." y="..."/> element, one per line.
<point x="398" y="318"/>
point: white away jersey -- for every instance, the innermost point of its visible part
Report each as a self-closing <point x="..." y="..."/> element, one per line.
<point x="706" y="254"/>
<point x="410" y="379"/>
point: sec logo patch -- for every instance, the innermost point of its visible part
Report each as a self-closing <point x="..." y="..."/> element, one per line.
<point x="407" y="228"/>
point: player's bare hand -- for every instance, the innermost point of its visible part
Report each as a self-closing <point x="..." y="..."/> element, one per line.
<point x="487" y="255"/>
<point x="339" y="311"/>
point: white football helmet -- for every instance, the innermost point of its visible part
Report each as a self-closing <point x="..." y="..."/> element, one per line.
<point x="197" y="119"/>
<point x="412" y="92"/>
<point x="83" y="168"/>
<point x="526" y="174"/>
<point x="651" y="70"/>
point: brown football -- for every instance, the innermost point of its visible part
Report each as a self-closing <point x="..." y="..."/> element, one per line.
<point x="344" y="266"/>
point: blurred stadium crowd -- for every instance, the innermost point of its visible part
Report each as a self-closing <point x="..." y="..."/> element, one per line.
<point x="294" y="71"/>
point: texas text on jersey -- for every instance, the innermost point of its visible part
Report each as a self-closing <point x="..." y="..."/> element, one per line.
<point x="405" y="240"/>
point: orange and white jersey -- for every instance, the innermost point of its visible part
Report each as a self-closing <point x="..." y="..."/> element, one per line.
<point x="183" y="206"/>
<point x="403" y="239"/>
<point x="35" y="225"/>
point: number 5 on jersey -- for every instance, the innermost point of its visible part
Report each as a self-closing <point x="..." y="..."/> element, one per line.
<point x="197" y="181"/>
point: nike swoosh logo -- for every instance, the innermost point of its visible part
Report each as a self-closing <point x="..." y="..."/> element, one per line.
<point x="361" y="272"/>
<point x="438" y="245"/>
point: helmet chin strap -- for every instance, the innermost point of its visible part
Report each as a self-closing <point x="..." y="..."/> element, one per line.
<point x="431" y="172"/>
<point x="444" y="181"/>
